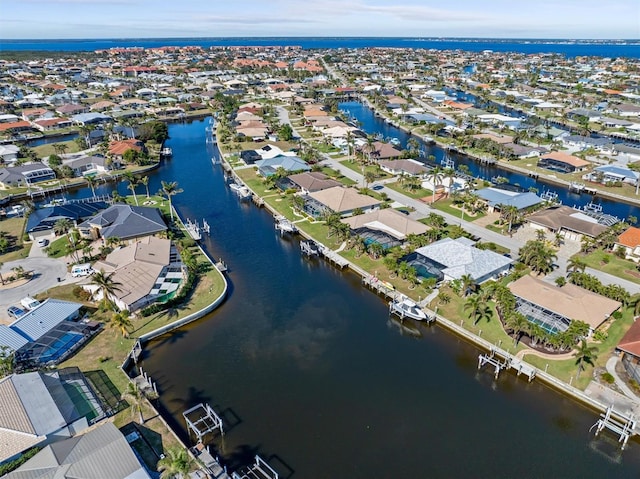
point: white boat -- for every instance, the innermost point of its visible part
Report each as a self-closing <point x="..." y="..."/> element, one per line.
<point x="205" y="226"/>
<point x="241" y="190"/>
<point x="284" y="225"/>
<point x="404" y="307"/>
<point x="193" y="229"/>
<point x="166" y="151"/>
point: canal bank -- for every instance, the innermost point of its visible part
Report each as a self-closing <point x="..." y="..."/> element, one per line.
<point x="307" y="366"/>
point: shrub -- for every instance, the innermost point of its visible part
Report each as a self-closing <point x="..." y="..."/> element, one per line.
<point x="606" y="259"/>
<point x="600" y="336"/>
<point x="187" y="242"/>
<point x="608" y="378"/>
<point x="616" y="315"/>
<point x="82" y="294"/>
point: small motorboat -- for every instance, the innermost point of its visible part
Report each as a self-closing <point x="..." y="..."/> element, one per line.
<point x="404" y="307"/>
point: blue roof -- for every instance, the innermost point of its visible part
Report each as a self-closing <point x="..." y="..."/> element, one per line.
<point x="618" y="170"/>
<point x="44" y="218"/>
<point x="521" y="200"/>
<point x="289" y="163"/>
<point x="44" y="317"/>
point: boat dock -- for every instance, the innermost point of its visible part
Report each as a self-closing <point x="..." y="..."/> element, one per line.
<point x="333" y="257"/>
<point x="258" y="470"/>
<point x="193" y="229"/>
<point x="501" y="360"/>
<point x="309" y="248"/>
<point x="202" y="420"/>
<point x="284" y="225"/>
<point x="620" y="424"/>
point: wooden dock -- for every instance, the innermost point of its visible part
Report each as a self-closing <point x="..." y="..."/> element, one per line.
<point x="333" y="257"/>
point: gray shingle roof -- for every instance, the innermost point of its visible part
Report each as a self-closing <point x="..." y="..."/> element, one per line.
<point x="125" y="221"/>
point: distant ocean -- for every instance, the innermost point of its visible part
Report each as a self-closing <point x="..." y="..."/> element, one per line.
<point x="567" y="48"/>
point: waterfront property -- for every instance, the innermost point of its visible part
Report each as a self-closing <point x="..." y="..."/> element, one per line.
<point x="562" y="162"/>
<point x="291" y="164"/>
<point x="46" y="334"/>
<point x="91" y="165"/>
<point x="41" y="221"/>
<point x="455" y="258"/>
<point x="613" y="174"/>
<point x="497" y="198"/>
<point x="148" y="271"/>
<point x="338" y="200"/>
<point x="629" y="346"/>
<point x="386" y="227"/>
<point x="308" y="182"/>
<point x="570" y="223"/>
<point x="125" y="222"/>
<point x="403" y="167"/>
<point x="25" y="175"/>
<point x="40" y="407"/>
<point x="101" y="452"/>
<point x="553" y="308"/>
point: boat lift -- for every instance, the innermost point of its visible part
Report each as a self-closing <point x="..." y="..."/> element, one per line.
<point x="258" y="470"/>
<point x="202" y="420"/>
<point x="617" y="423"/>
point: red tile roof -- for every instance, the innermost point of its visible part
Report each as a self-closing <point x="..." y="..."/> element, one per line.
<point x="630" y="342"/>
<point x="630" y="238"/>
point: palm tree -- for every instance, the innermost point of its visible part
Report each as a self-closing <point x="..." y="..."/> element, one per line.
<point x="468" y="284"/>
<point x="369" y="177"/>
<point x="135" y="397"/>
<point x="538" y="256"/>
<point x="585" y="354"/>
<point x="121" y="321"/>
<point x="435" y="176"/>
<point x="511" y="214"/>
<point x="106" y="285"/>
<point x="129" y="177"/>
<point x="62" y="226"/>
<point x="170" y="188"/>
<point x="477" y="308"/>
<point x="576" y="264"/>
<point x="92" y="182"/>
<point x="145" y="181"/>
<point x="519" y="324"/>
<point x="176" y="462"/>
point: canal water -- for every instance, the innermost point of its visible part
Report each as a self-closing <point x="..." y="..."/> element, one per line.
<point x="372" y="124"/>
<point x="308" y="370"/>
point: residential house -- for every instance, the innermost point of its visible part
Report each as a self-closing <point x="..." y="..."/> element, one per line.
<point x="125" y="222"/>
<point x="498" y="199"/>
<point x="568" y="222"/>
<point x="8" y="154"/>
<point x="562" y="162"/>
<point x="339" y="200"/>
<point x="454" y="258"/>
<point x="553" y="308"/>
<point x="102" y="452"/>
<point x="291" y="164"/>
<point x="403" y="167"/>
<point x="309" y="182"/>
<point x="91" y="165"/>
<point x="25" y="175"/>
<point x="149" y="270"/>
<point x="118" y="148"/>
<point x="37" y="410"/>
<point x="41" y="221"/>
<point x="614" y="173"/>
<point x="380" y="151"/>
<point x="629" y="240"/>
<point x="386" y="227"/>
<point x="629" y="346"/>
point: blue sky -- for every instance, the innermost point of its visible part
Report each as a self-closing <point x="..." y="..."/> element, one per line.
<point x="242" y="18"/>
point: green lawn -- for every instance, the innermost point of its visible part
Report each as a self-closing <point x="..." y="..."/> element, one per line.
<point x="357" y="167"/>
<point x="13" y="228"/>
<point x="415" y="194"/>
<point x="46" y="150"/>
<point x="446" y="205"/>
<point x="337" y="176"/>
<point x="57" y="248"/>
<point x="610" y="263"/>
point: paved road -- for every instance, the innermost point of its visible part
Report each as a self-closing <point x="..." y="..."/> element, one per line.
<point x="46" y="272"/>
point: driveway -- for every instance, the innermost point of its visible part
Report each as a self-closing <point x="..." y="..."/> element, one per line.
<point x="46" y="272"/>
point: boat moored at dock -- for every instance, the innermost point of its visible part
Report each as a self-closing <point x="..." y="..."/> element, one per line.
<point x="404" y="307"/>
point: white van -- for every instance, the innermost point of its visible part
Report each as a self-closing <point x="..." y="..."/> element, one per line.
<point x="84" y="269"/>
<point x="29" y="302"/>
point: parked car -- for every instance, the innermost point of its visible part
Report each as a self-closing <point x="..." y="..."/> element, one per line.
<point x="378" y="187"/>
<point x="42" y="242"/>
<point x="82" y="270"/>
<point x="15" y="312"/>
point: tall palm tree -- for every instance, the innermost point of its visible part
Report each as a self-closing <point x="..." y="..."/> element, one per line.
<point x="468" y="284"/>
<point x="477" y="308"/>
<point x="538" y="256"/>
<point x="145" y="181"/>
<point x="92" y="182"/>
<point x="170" y="188"/>
<point x="576" y="264"/>
<point x="176" y="462"/>
<point x="121" y="321"/>
<point x="107" y="286"/>
<point x="435" y="176"/>
<point x="133" y="181"/>
<point x="135" y="397"/>
<point x="511" y="214"/>
<point x="585" y="354"/>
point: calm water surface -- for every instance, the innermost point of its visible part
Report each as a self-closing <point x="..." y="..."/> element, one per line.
<point x="308" y="371"/>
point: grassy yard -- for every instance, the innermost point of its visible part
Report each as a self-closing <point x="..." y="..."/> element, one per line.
<point x="255" y="182"/>
<point x="57" y="248"/>
<point x="446" y="205"/>
<point x="491" y="330"/>
<point x="415" y="194"/>
<point x="337" y="176"/>
<point x="13" y="228"/>
<point x="357" y="167"/>
<point x="47" y="150"/>
<point x="610" y="263"/>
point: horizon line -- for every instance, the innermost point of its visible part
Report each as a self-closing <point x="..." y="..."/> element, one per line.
<point x="460" y="38"/>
